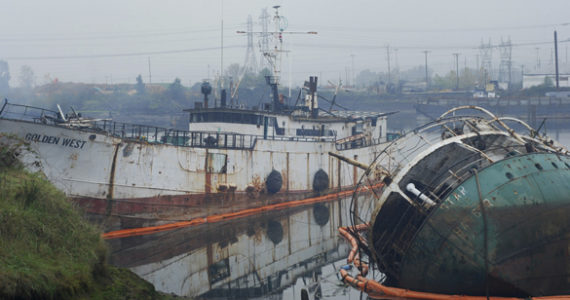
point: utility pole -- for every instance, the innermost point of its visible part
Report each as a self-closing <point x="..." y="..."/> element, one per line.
<point x="427" y="80"/>
<point x="149" y="74"/>
<point x="353" y="76"/>
<point x="556" y="58"/>
<point x="388" y="58"/>
<point x="477" y="62"/>
<point x="456" y="70"/>
<point x="222" y="46"/>
<point x="537" y="59"/>
<point x="396" y="59"/>
<point x="522" y="75"/>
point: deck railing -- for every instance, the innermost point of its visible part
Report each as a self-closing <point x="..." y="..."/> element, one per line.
<point x="143" y="133"/>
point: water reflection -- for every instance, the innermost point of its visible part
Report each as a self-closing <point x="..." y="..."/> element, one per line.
<point x="277" y="255"/>
<point x="250" y="257"/>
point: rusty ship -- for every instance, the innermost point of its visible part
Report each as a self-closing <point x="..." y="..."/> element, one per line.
<point x="229" y="159"/>
<point x="470" y="206"/>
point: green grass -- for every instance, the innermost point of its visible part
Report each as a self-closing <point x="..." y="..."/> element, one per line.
<point x="47" y="251"/>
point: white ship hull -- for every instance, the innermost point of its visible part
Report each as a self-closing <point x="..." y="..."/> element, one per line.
<point x="109" y="176"/>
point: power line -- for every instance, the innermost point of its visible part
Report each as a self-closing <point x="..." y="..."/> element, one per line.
<point x="319" y="45"/>
<point x="443" y="30"/>
<point x="118" y="36"/>
<point x="118" y="54"/>
<point x="419" y="47"/>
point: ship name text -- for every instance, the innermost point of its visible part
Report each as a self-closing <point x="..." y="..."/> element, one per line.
<point x="48" y="139"/>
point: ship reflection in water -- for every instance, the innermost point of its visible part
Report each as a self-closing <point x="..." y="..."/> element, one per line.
<point x="249" y="257"/>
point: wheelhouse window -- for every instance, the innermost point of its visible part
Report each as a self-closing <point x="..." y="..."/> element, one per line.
<point x="226" y="117"/>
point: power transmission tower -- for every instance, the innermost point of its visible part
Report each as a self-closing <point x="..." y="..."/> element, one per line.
<point x="264" y="19"/>
<point x="506" y="49"/>
<point x="556" y="59"/>
<point x="486" y="52"/>
<point x="273" y="56"/>
<point x="250" y="63"/>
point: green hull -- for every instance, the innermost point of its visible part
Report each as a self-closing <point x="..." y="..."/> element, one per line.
<point x="527" y="216"/>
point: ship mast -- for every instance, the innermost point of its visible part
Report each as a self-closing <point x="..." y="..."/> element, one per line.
<point x="274" y="56"/>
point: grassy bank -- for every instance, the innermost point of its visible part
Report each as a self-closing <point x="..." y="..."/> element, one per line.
<point x="47" y="251"/>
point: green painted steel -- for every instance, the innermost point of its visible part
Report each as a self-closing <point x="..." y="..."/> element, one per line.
<point x="527" y="208"/>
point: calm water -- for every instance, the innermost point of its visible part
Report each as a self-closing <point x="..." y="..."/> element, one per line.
<point x="331" y="288"/>
<point x="293" y="250"/>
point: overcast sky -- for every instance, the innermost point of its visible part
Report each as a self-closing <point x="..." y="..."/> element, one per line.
<point x="112" y="41"/>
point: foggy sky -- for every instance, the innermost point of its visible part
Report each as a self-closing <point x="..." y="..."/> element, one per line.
<point x="112" y="41"/>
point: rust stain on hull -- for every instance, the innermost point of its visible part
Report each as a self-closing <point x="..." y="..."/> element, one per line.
<point x="112" y="181"/>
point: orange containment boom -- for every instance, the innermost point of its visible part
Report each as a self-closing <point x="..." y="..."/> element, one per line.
<point x="230" y="216"/>
<point x="376" y="290"/>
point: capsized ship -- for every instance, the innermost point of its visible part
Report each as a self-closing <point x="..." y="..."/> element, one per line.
<point x="469" y="207"/>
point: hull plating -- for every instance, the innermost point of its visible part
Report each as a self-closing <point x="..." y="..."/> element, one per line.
<point x="526" y="233"/>
<point x="109" y="176"/>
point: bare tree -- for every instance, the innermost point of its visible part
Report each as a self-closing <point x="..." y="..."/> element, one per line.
<point x="27" y="77"/>
<point x="233" y="71"/>
<point x="140" y="87"/>
<point x="4" y="77"/>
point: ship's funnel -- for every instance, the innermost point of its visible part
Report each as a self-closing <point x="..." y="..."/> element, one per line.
<point x="206" y="89"/>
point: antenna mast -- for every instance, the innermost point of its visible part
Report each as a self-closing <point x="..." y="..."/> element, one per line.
<point x="273" y="56"/>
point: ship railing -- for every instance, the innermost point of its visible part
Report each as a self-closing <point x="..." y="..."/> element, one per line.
<point x="206" y="139"/>
<point x="128" y="132"/>
<point x="499" y="102"/>
<point x="359" y="143"/>
<point x="299" y="138"/>
<point x="145" y="133"/>
<point x="29" y="113"/>
<point x="152" y="134"/>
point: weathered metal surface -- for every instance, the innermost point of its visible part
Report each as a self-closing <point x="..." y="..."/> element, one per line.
<point x="473" y="207"/>
<point x="527" y="207"/>
<point x="110" y="177"/>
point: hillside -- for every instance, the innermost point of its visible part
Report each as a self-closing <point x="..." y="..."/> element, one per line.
<point x="47" y="251"/>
